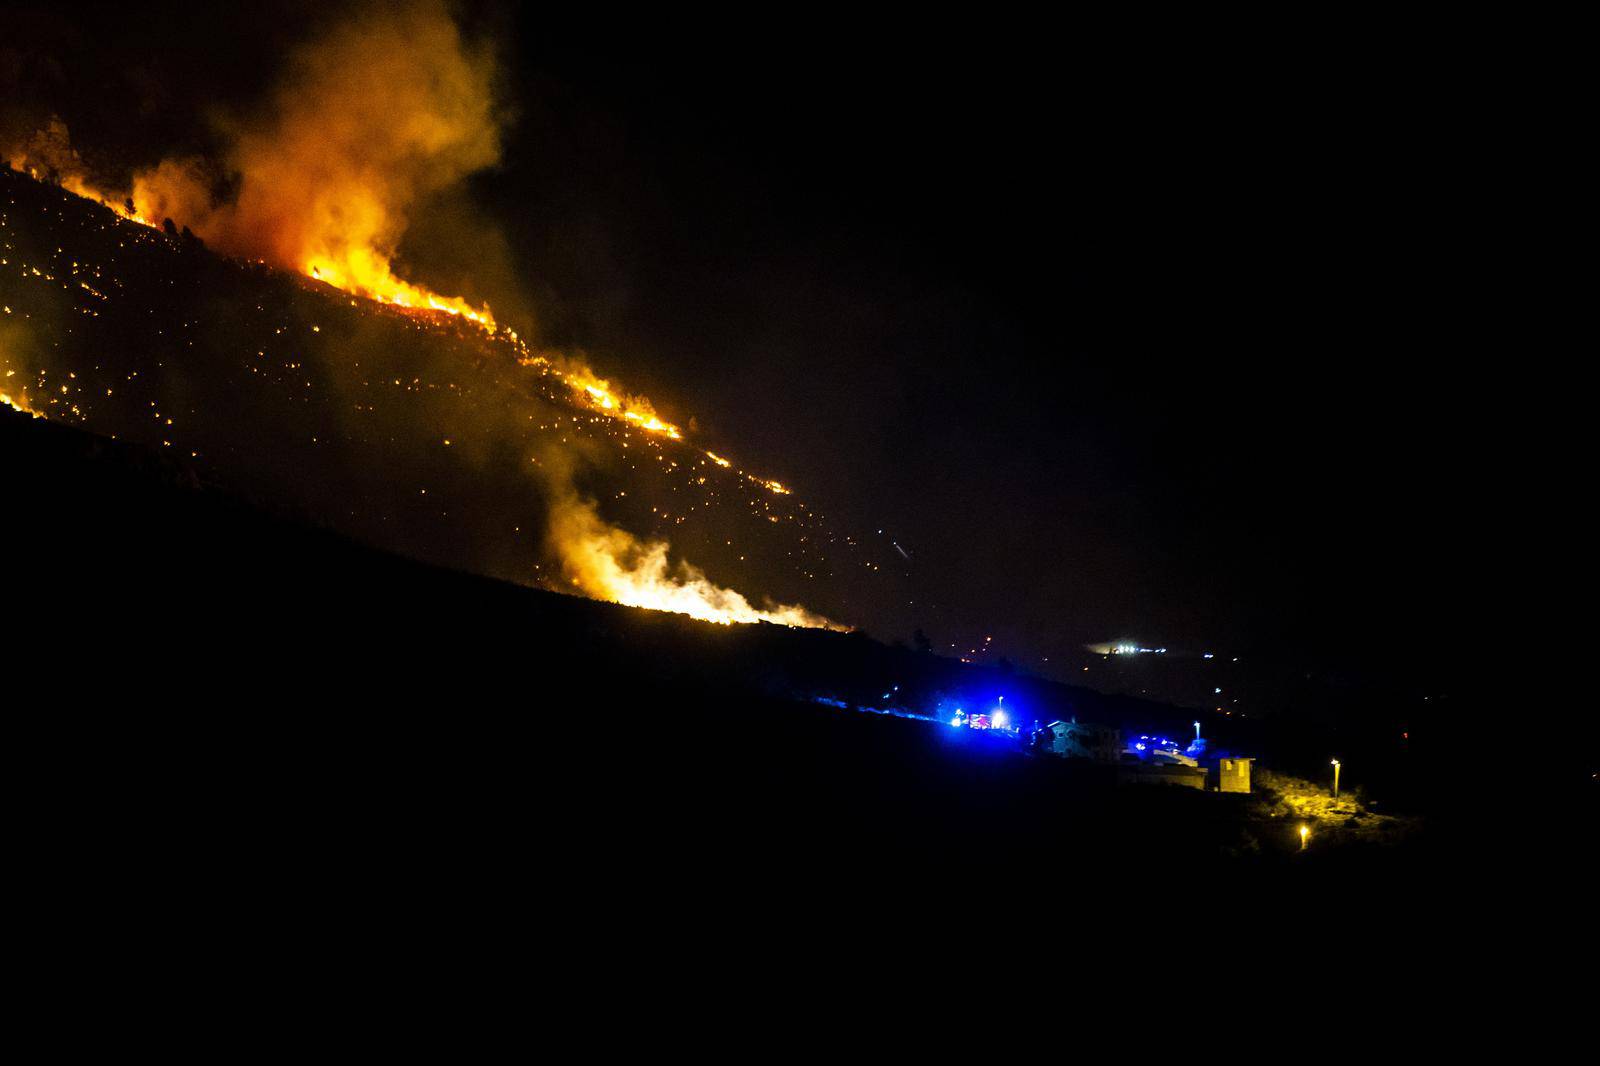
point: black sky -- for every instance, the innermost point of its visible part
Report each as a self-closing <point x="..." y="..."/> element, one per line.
<point x="1140" y="331"/>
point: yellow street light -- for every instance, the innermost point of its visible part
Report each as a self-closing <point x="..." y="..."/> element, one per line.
<point x="1336" y="778"/>
<point x="1305" y="832"/>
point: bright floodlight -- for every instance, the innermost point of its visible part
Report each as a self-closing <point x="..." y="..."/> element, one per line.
<point x="999" y="719"/>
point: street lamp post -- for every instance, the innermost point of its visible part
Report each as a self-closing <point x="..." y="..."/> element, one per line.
<point x="1336" y="778"/>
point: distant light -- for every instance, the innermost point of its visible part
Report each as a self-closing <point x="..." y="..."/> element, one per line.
<point x="1218" y="691"/>
<point x="1208" y="655"/>
<point x="999" y="719"/>
<point x="956" y="720"/>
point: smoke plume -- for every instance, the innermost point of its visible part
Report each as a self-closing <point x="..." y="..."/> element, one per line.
<point x="385" y="110"/>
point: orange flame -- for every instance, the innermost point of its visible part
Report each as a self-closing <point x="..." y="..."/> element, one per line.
<point x="608" y="563"/>
<point x="598" y="393"/>
<point x="365" y="274"/>
<point x="76" y="185"/>
<point x="372" y="120"/>
<point x="369" y="122"/>
<point x="19" y="405"/>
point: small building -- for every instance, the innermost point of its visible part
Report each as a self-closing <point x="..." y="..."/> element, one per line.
<point x="1084" y="740"/>
<point x="1233" y="775"/>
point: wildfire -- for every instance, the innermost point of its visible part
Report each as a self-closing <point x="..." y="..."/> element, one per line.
<point x="364" y="273"/>
<point x="359" y="271"/>
<point x="599" y="394"/>
<point x="76" y="185"/>
<point x="20" y="406"/>
<point x="596" y="558"/>
<point x="369" y="122"/>
<point x="608" y="563"/>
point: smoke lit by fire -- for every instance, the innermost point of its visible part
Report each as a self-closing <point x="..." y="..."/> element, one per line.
<point x="608" y="563"/>
<point x="368" y="123"/>
<point x="12" y="394"/>
<point x="19" y="404"/>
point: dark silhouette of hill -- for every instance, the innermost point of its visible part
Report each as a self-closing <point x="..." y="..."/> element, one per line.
<point x="193" y="673"/>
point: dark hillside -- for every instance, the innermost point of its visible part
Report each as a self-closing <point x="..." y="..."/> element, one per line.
<point x="413" y="432"/>
<point x="200" y="675"/>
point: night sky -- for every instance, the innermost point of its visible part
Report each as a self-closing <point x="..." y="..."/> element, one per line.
<point x="1121" y="332"/>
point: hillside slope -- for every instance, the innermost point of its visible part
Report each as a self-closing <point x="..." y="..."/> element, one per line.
<point x="416" y="432"/>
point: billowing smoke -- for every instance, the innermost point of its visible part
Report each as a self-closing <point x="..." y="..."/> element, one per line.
<point x="389" y="108"/>
<point x="47" y="153"/>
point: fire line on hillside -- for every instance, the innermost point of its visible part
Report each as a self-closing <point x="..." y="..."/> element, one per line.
<point x="601" y="559"/>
